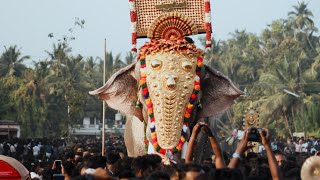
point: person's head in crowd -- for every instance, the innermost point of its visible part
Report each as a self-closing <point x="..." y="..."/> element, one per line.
<point x="312" y="138"/>
<point x="260" y="172"/>
<point x="175" y="172"/>
<point x="69" y="156"/>
<point x="126" y="175"/>
<point x="281" y="159"/>
<point x="86" y="158"/>
<point x="158" y="175"/>
<point x="154" y="161"/>
<point x="252" y="159"/>
<point x="300" y="141"/>
<point x="77" y="155"/>
<point x="122" y="152"/>
<point x="79" y="169"/>
<point x="193" y="170"/>
<point x="126" y="163"/>
<point x="67" y="168"/>
<point x="94" y="151"/>
<point x="78" y="160"/>
<point x="221" y="174"/>
<point x="79" y="150"/>
<point x="172" y="172"/>
<point x="85" y="153"/>
<point x="95" y="162"/>
<point x="112" y="159"/>
<point x="140" y="166"/>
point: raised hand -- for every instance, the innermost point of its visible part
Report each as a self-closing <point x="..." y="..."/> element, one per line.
<point x="206" y="129"/>
<point x="196" y="129"/>
<point x="265" y="136"/>
<point x="243" y="144"/>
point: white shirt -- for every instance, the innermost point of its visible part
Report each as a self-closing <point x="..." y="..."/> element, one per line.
<point x="261" y="148"/>
<point x="35" y="175"/>
<point x="1" y="149"/>
<point x="274" y="147"/>
<point x="298" y="148"/>
<point x="304" y="147"/>
<point x="35" y="150"/>
<point x="240" y="134"/>
<point x="12" y="149"/>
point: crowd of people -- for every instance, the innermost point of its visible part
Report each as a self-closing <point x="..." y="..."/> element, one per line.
<point x="80" y="158"/>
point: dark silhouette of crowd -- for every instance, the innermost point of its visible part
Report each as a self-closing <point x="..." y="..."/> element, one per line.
<point x="80" y="158"/>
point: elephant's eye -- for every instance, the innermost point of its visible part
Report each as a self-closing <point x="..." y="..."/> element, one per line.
<point x="156" y="64"/>
<point x="187" y="66"/>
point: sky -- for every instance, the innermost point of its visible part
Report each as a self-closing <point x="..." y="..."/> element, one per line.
<point x="27" y="23"/>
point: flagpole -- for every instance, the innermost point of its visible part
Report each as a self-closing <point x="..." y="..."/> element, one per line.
<point x="104" y="103"/>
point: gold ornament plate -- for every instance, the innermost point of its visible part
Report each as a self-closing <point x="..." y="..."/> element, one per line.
<point x="251" y="118"/>
<point x="170" y="86"/>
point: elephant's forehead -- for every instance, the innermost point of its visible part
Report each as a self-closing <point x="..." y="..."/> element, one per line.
<point x="170" y="63"/>
<point x="170" y="57"/>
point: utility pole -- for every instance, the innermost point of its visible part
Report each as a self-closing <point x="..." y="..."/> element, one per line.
<point x="104" y="103"/>
<point x="304" y="121"/>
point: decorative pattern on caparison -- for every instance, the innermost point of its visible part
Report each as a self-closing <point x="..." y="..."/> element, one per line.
<point x="170" y="89"/>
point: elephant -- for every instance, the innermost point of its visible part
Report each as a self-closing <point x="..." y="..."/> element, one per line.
<point x="175" y="91"/>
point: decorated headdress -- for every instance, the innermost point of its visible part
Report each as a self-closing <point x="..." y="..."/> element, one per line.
<point x="165" y="19"/>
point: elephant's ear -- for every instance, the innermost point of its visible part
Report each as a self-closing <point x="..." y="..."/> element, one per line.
<point x="120" y="91"/>
<point x="218" y="93"/>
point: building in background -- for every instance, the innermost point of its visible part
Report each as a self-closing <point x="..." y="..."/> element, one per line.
<point x="91" y="126"/>
<point x="9" y="129"/>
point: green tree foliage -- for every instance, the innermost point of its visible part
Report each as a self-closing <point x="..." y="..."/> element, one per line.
<point x="53" y="95"/>
<point x="284" y="58"/>
<point x="11" y="62"/>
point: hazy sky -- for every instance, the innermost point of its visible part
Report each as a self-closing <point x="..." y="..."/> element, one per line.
<point x="27" y="23"/>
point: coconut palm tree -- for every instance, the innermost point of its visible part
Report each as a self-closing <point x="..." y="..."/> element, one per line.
<point x="302" y="22"/>
<point x="90" y="67"/>
<point x="11" y="62"/>
<point x="130" y="58"/>
<point x="301" y="16"/>
<point x="58" y="56"/>
<point x="239" y="57"/>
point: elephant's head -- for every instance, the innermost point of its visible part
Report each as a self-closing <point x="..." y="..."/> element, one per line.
<point x="170" y="82"/>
